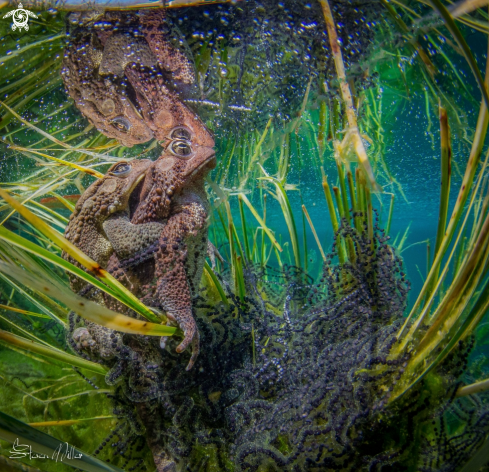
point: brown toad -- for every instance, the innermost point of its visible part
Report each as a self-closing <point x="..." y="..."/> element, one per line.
<point x="145" y="38"/>
<point x="173" y="192"/>
<point x="163" y="111"/>
<point x="107" y="104"/>
<point x="183" y="241"/>
<point x="102" y="50"/>
<point x="105" y="201"/>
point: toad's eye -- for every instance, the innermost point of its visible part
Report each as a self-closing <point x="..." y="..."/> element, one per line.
<point x="121" y="123"/>
<point x="121" y="170"/>
<point x="181" y="148"/>
<point x="181" y="133"/>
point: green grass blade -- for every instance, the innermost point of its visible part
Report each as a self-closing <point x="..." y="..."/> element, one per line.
<point x="33" y="300"/>
<point x="453" y="28"/>
<point x="16" y="326"/>
<point x="86" y="308"/>
<point x="288" y="214"/>
<point x="306" y="213"/>
<point x="245" y="232"/>
<point x="404" y="237"/>
<point x="446" y="155"/>
<point x="447" y="327"/>
<point x="87" y="170"/>
<point x="10" y="339"/>
<point x="17" y="432"/>
<point x="329" y="201"/>
<point x="389" y="218"/>
<point x="29" y="246"/>
<point x="216" y="282"/>
<point x="304" y="239"/>
<point x="458" y="332"/>
<point x="123" y="295"/>
<point x="344" y="197"/>
<point x="241" y="288"/>
<point x="23" y="312"/>
<point x="261" y="222"/>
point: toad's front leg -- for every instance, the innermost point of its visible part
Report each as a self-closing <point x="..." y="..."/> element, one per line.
<point x="172" y="270"/>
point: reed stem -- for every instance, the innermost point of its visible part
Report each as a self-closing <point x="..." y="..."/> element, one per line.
<point x="370" y="217"/>
<point x="344" y="197"/>
<point x="347" y="96"/>
<point x="322" y="128"/>
<point x="329" y="202"/>
<point x="446" y="156"/>
<point x="389" y="218"/>
<point x="339" y="202"/>
<point x="351" y="188"/>
<point x="245" y="232"/>
<point x="304" y="239"/>
<point x="464" y="192"/>
<point x="314" y="232"/>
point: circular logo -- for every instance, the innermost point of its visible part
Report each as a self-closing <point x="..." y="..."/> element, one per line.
<point x="20" y="18"/>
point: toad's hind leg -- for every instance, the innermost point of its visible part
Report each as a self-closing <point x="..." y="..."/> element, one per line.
<point x="91" y="340"/>
<point x="172" y="270"/>
<point x="174" y="294"/>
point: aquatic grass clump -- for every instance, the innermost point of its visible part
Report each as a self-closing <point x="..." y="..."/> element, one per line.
<point x="463" y="304"/>
<point x="115" y="287"/>
<point x="311" y="382"/>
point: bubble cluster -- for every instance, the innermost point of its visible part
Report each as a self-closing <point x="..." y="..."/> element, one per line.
<point x="261" y="54"/>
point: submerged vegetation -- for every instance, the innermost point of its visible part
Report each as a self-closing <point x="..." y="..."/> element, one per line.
<point x="305" y="365"/>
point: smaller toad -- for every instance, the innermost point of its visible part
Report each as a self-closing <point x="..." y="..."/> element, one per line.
<point x="104" y="202"/>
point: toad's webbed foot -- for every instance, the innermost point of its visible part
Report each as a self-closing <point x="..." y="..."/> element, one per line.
<point x="190" y="336"/>
<point x="90" y="340"/>
<point x="105" y="340"/>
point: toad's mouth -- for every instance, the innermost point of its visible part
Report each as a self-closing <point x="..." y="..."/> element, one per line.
<point x="131" y="96"/>
<point x="207" y="164"/>
<point x="135" y="197"/>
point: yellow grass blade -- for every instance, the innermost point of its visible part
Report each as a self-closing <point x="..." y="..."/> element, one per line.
<point x="260" y="221"/>
<point x="124" y="295"/>
<point x="86" y="308"/>
<point x="35" y="128"/>
<point x="24" y="312"/>
<point x="44" y="424"/>
<point x="87" y="170"/>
